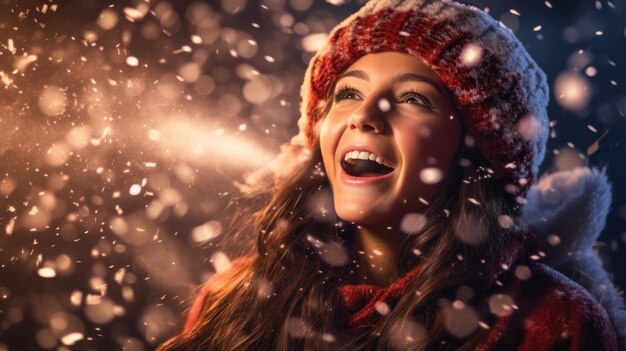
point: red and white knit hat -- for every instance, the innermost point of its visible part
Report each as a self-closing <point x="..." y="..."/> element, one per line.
<point x="497" y="87"/>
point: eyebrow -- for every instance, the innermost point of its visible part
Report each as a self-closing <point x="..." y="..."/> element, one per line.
<point x="413" y="77"/>
<point x="355" y="74"/>
<point x="400" y="78"/>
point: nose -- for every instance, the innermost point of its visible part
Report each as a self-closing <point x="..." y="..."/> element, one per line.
<point x="368" y="117"/>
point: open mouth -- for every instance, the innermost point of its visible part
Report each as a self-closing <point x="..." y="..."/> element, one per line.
<point x="365" y="164"/>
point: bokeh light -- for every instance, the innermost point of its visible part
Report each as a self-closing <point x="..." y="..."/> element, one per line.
<point x="126" y="126"/>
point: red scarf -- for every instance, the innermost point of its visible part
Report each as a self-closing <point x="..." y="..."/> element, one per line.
<point x="554" y="313"/>
<point x="361" y="300"/>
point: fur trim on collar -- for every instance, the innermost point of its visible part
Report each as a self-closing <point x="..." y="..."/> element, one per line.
<point x="567" y="211"/>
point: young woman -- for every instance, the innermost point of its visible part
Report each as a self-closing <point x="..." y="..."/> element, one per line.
<point x="393" y="218"/>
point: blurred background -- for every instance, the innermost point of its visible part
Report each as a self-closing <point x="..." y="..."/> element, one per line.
<point x="124" y="125"/>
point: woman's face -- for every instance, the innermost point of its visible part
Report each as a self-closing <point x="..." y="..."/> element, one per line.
<point x="389" y="138"/>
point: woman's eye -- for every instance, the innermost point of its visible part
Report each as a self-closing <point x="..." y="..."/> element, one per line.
<point x="415" y="98"/>
<point x="346" y="94"/>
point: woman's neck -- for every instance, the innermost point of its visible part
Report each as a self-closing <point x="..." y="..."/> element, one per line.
<point x="380" y="248"/>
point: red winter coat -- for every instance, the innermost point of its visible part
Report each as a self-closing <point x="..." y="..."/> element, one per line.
<point x="552" y="312"/>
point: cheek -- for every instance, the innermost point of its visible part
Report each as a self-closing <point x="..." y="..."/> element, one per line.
<point x="429" y="145"/>
<point x="443" y="144"/>
<point x="330" y="132"/>
<point x="327" y="145"/>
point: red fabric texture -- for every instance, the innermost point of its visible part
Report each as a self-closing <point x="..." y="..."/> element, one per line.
<point x="362" y="300"/>
<point x="197" y="307"/>
<point x="215" y="283"/>
<point x="553" y="313"/>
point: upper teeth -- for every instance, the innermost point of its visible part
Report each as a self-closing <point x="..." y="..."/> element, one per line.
<point x="364" y="155"/>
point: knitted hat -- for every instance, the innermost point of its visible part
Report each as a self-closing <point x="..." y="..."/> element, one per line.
<point x="497" y="87"/>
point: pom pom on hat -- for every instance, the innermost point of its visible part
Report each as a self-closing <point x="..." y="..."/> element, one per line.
<point x="497" y="87"/>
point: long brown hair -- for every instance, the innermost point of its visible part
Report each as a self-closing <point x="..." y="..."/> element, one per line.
<point x="284" y="295"/>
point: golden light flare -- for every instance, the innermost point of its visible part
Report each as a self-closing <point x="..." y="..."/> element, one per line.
<point x="136" y="13"/>
<point x="314" y="42"/>
<point x="107" y="19"/>
<point x="471" y="55"/>
<point x="22" y="63"/>
<point x="221" y="262"/>
<point x="72" y="338"/>
<point x="407" y="334"/>
<point x="192" y="141"/>
<point x="124" y="132"/>
<point x="568" y="158"/>
<point x="413" y="223"/>
<point x="529" y="127"/>
<point x="78" y="137"/>
<point x="460" y="319"/>
<point x="207" y="231"/>
<point x="573" y="91"/>
<point x="501" y="305"/>
<point x="58" y="154"/>
<point x="52" y="101"/>
<point x="431" y="175"/>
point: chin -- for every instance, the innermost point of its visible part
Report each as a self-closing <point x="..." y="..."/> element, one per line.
<point x="354" y="213"/>
<point x="361" y="215"/>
